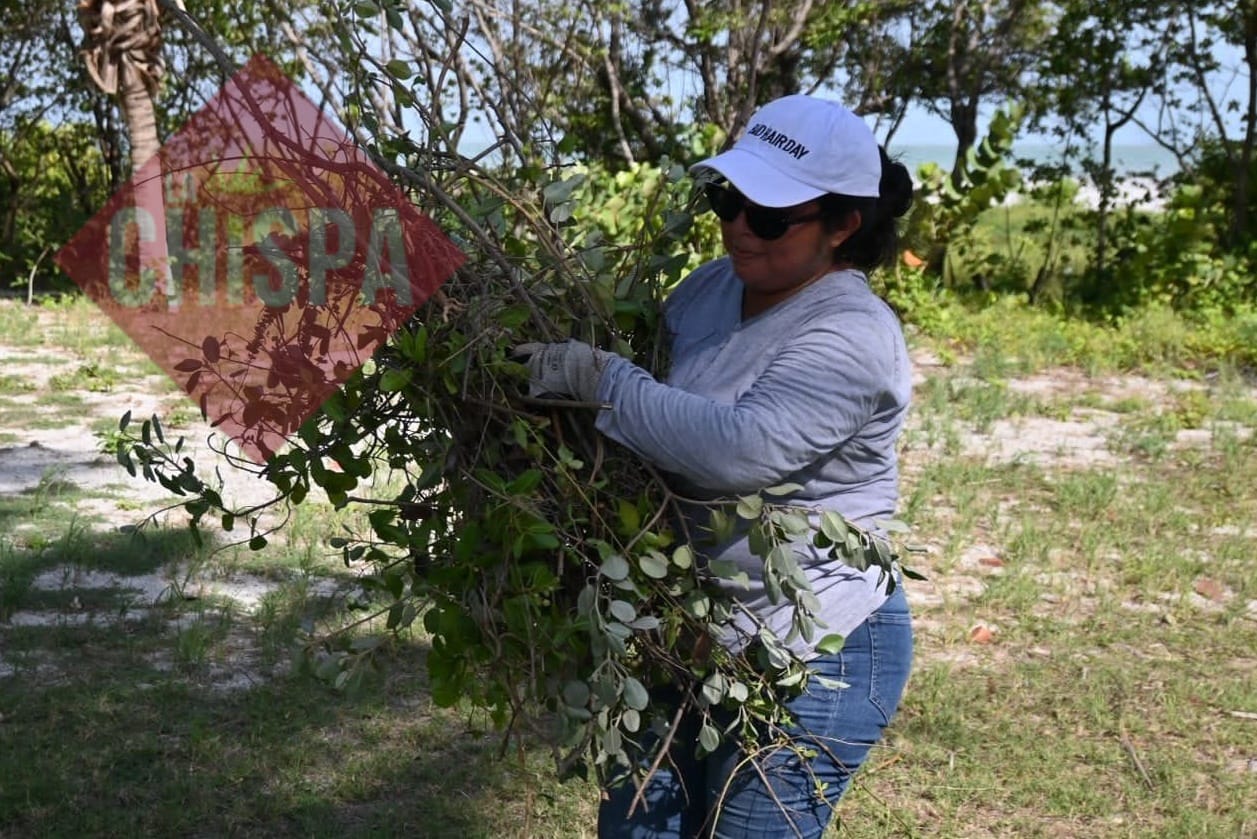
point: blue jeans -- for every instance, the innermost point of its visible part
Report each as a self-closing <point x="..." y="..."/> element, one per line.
<point x="686" y="795"/>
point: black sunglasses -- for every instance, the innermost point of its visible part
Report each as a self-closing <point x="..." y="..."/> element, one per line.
<point x="767" y="223"/>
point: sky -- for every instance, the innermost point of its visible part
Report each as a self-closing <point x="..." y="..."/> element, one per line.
<point x="923" y="136"/>
<point x="922" y="128"/>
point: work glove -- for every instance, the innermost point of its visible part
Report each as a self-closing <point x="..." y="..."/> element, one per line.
<point x="571" y="369"/>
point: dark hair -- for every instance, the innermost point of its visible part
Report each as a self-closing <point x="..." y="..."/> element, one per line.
<point x="876" y="243"/>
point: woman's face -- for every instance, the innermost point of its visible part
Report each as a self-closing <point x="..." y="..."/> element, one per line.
<point x="772" y="269"/>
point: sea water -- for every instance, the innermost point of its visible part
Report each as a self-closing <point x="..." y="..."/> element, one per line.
<point x="1128" y="160"/>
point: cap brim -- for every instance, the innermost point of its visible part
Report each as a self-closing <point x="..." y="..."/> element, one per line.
<point x="759" y="181"/>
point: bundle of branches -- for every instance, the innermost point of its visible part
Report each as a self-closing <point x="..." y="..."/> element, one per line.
<point x="544" y="564"/>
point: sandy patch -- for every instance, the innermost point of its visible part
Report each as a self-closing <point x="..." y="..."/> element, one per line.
<point x="1078" y="443"/>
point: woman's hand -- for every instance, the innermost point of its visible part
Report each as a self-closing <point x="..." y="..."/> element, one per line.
<point x="571" y="369"/>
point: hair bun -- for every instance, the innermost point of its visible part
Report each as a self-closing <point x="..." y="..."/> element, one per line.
<point x="895" y="187"/>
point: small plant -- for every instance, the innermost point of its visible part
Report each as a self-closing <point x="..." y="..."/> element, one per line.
<point x="1147" y="435"/>
<point x="90" y="377"/>
<point x="109" y="440"/>
<point x="16" y="578"/>
<point x="16" y="384"/>
<point x="948" y="206"/>
<point x="195" y="640"/>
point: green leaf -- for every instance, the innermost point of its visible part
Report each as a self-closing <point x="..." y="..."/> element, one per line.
<point x="653" y="565"/>
<point x="809" y="602"/>
<point x="750" y="506"/>
<point x="698" y="604"/>
<point x="635" y="695"/>
<point x="631" y="720"/>
<point x="615" y="567"/>
<point x="829" y="684"/>
<point x="585" y="600"/>
<point x="563" y="212"/>
<point x="414" y="345"/>
<point x="709" y="738"/>
<point x="612" y="741"/>
<point x="834" y="526"/>
<point x="772" y="586"/>
<point x="893" y="525"/>
<point x="882" y="550"/>
<point x="125" y="421"/>
<point x="855" y="552"/>
<point x="394" y="380"/>
<point x="394" y="584"/>
<point x="784" y="489"/>
<point x="525" y="483"/>
<point x="793" y="523"/>
<point x="257" y="543"/>
<point x="775" y="655"/>
<point x="831" y="644"/>
<point x="619" y="630"/>
<point x="760" y="539"/>
<point x="791" y="680"/>
<point x="576" y="694"/>
<point x="513" y="317"/>
<point x="714" y="689"/>
<point x="630" y="518"/>
<point x="721" y="526"/>
<point x="210" y="349"/>
<point x="622" y="611"/>
<point x="558" y="192"/>
<point x="728" y="570"/>
<point x="399" y="69"/>
<point x="683" y="557"/>
<point x="789" y="566"/>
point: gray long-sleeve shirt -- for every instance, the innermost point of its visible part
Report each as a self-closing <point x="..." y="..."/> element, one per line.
<point x="812" y="391"/>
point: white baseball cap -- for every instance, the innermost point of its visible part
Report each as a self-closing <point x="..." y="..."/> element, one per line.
<point x="798" y="148"/>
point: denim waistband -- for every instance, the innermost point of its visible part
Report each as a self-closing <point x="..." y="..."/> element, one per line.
<point x="897" y="603"/>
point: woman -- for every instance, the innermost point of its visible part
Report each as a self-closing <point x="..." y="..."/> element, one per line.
<point x="786" y="368"/>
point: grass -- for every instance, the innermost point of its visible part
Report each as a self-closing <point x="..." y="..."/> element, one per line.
<point x="1114" y="698"/>
<point x="15" y="384"/>
<point x="92" y="377"/>
<point x="1003" y="336"/>
<point x="68" y="322"/>
<point x="157" y="755"/>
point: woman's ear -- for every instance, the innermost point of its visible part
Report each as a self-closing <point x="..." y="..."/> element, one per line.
<point x="845" y="229"/>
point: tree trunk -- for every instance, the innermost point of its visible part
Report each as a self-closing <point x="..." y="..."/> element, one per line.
<point x="1241" y="216"/>
<point x="124" y="59"/>
<point x="964" y="122"/>
<point x="141" y="117"/>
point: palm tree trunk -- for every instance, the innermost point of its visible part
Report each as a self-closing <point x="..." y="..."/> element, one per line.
<point x="141" y="119"/>
<point x="124" y="59"/>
